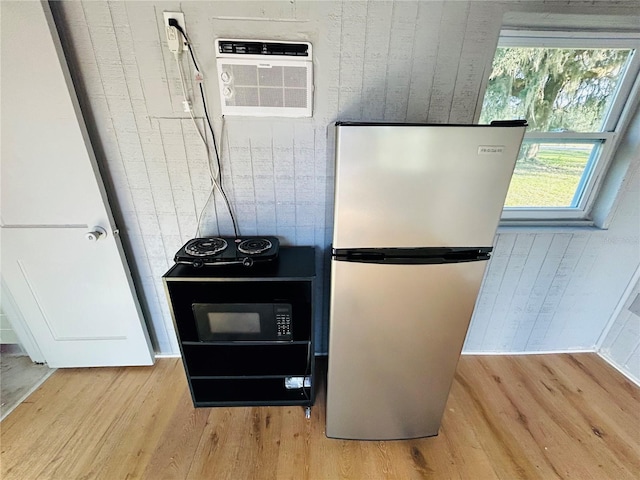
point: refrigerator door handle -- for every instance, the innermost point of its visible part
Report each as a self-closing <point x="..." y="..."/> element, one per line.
<point x="358" y="256"/>
<point x="412" y="256"/>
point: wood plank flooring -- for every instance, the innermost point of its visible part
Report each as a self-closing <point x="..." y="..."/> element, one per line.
<point x="523" y="417"/>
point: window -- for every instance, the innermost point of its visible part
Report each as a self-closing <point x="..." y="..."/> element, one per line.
<point x="572" y="90"/>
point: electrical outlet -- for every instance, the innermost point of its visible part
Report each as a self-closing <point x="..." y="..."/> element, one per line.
<point x="179" y="17"/>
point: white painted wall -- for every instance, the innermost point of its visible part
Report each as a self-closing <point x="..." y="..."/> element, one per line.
<point x="393" y="61"/>
<point x="621" y="342"/>
<point x="556" y="290"/>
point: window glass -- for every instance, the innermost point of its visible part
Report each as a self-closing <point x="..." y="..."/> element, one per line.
<point x="567" y="92"/>
<point x="548" y="174"/>
<point x="554" y="89"/>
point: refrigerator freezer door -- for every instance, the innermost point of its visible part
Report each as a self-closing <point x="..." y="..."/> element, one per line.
<point x="421" y="186"/>
<point x="395" y="338"/>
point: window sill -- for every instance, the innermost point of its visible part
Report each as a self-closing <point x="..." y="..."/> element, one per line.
<point x="546" y="226"/>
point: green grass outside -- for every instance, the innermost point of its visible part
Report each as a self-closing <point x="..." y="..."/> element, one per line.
<point x="551" y="178"/>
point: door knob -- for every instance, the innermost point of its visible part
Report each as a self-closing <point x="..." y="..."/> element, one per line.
<point x="96" y="234"/>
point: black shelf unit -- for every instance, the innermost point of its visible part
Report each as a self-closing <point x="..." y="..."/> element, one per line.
<point x="249" y="372"/>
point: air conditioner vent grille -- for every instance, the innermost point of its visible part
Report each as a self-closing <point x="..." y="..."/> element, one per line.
<point x="243" y="75"/>
<point x="276" y="86"/>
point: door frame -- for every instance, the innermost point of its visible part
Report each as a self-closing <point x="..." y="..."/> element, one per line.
<point x="19" y="325"/>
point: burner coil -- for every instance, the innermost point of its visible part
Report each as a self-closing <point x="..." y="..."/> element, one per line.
<point x="202" y="247"/>
<point x="254" y="246"/>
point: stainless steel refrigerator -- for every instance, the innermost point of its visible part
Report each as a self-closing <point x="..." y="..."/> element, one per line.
<point x="416" y="211"/>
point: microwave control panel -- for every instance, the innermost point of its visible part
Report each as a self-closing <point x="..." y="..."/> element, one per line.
<point x="283" y="321"/>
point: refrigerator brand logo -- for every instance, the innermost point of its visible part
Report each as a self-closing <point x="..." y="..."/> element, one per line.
<point x="490" y="149"/>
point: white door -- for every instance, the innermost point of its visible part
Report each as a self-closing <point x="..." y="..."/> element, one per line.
<point x="74" y="292"/>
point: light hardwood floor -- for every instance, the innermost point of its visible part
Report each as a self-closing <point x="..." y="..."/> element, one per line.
<point x="525" y="417"/>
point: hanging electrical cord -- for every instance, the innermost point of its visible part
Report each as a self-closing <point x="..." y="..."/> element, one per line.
<point x="214" y="182"/>
<point x="216" y="179"/>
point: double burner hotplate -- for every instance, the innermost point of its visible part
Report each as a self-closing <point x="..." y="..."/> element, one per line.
<point x="212" y="251"/>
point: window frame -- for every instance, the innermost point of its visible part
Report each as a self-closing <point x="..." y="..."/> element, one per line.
<point x="616" y="121"/>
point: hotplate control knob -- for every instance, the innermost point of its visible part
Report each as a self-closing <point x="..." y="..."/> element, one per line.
<point x="247" y="262"/>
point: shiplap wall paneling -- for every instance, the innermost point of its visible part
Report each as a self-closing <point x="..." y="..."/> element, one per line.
<point x="521" y="288"/>
<point x="524" y="305"/>
<point x="376" y="47"/>
<point x="561" y="303"/>
<point x="514" y="256"/>
<point x="515" y="291"/>
<point x="479" y="44"/>
<point x="352" y="54"/>
<point x="541" y="290"/>
<point x="402" y="45"/>
<point x="621" y="346"/>
<point x="483" y="332"/>
<point x="450" y="45"/>
<point x="425" y="54"/>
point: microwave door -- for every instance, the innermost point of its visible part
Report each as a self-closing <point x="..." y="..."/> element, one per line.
<point x="242" y="322"/>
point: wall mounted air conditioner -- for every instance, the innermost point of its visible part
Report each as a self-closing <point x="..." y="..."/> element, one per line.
<point x="265" y="78"/>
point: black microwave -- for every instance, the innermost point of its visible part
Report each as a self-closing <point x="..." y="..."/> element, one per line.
<point x="235" y="322"/>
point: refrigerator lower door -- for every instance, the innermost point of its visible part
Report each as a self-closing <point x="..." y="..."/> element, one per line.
<point x="396" y="332"/>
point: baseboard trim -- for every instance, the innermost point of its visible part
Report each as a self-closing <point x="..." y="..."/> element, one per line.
<point x="626" y="375"/>
<point x="168" y="355"/>
<point x="540" y="352"/>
